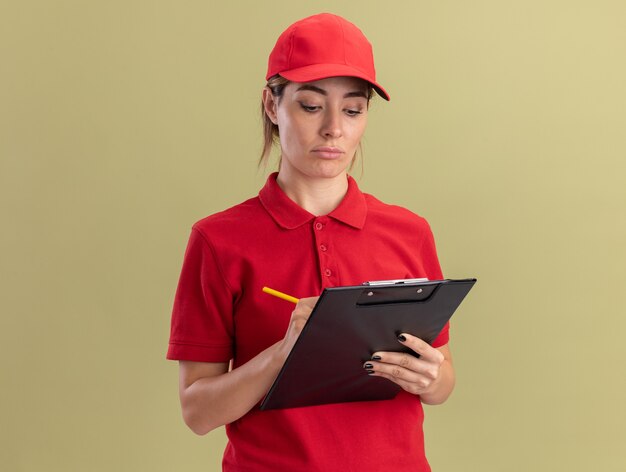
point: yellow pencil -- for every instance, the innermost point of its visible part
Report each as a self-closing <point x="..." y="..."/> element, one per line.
<point x="278" y="294"/>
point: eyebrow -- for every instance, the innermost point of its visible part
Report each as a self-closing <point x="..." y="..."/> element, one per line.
<point x="321" y="91"/>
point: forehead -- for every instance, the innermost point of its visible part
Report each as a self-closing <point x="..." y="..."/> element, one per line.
<point x="332" y="85"/>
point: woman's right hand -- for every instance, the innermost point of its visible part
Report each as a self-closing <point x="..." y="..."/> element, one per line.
<point x="211" y="395"/>
<point x="299" y="317"/>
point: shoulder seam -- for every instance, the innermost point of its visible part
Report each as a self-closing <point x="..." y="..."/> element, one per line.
<point x="426" y="233"/>
<point x="215" y="258"/>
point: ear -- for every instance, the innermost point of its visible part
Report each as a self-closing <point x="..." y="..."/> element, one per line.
<point x="270" y="104"/>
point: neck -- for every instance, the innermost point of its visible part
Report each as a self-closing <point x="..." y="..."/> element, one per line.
<point x="317" y="196"/>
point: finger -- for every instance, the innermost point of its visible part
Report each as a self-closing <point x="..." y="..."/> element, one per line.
<point x="305" y="306"/>
<point x="392" y="371"/>
<point x="421" y="347"/>
<point x="416" y="387"/>
<point x="408" y="380"/>
<point x="403" y="366"/>
<point x="307" y="302"/>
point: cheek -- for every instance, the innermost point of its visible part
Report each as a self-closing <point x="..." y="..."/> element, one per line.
<point x="293" y="134"/>
<point x="284" y="129"/>
<point x="286" y="136"/>
<point x="356" y="131"/>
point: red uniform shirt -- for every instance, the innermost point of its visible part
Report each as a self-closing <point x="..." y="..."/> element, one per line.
<point x="220" y="313"/>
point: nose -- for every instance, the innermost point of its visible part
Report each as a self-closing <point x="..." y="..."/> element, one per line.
<point x="331" y="125"/>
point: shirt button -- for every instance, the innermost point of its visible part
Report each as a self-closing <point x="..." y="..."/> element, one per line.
<point x="323" y="248"/>
<point x="328" y="273"/>
<point x="319" y="226"/>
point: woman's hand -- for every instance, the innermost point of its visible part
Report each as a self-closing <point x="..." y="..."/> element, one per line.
<point x="299" y="317"/>
<point x="430" y="375"/>
<point x="212" y="396"/>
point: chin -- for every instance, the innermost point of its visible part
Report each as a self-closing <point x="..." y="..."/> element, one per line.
<point x="330" y="171"/>
<point x="317" y="168"/>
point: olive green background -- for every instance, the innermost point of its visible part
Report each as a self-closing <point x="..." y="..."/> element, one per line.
<point x="123" y="122"/>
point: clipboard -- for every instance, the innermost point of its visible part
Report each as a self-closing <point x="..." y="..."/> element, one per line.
<point x="349" y="324"/>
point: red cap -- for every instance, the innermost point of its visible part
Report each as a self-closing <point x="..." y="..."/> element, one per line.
<point x="323" y="46"/>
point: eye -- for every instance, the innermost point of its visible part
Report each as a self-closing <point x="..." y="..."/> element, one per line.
<point x="309" y="108"/>
<point x="353" y="112"/>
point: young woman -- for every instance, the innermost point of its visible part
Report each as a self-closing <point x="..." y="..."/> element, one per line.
<point x="309" y="228"/>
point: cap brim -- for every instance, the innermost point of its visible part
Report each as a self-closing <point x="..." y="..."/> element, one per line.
<point x="324" y="71"/>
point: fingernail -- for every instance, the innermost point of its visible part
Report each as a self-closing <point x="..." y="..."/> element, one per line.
<point x="376" y="358"/>
<point x="402" y="338"/>
<point x="369" y="372"/>
<point x="369" y="365"/>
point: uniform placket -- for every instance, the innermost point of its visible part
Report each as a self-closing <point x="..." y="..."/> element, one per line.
<point x="323" y="246"/>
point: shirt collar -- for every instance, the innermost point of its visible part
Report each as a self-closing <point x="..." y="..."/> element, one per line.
<point x="351" y="211"/>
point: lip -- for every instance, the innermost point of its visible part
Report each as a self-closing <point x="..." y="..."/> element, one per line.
<point x="328" y="152"/>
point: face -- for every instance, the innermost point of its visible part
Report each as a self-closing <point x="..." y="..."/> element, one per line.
<point x="320" y="125"/>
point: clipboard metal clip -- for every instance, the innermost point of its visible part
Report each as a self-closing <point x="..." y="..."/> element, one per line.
<point x="395" y="281"/>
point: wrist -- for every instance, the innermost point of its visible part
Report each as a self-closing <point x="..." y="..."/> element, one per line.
<point x="278" y="353"/>
<point x="441" y="388"/>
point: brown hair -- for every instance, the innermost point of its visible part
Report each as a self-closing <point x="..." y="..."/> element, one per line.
<point x="277" y="85"/>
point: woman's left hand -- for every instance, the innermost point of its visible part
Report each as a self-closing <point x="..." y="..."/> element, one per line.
<point x="429" y="375"/>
